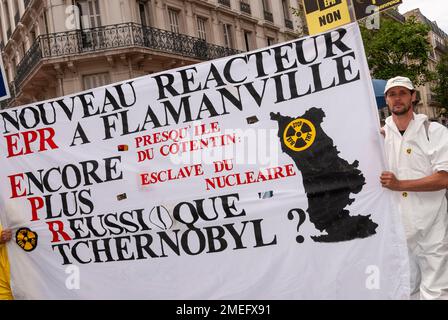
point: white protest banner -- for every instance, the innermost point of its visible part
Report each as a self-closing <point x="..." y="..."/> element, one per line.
<point x="249" y="177"/>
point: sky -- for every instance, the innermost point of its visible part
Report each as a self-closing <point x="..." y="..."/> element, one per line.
<point x="432" y="9"/>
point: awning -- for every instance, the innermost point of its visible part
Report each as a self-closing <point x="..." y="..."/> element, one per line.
<point x="378" y="88"/>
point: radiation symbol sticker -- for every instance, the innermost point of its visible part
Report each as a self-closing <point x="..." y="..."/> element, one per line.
<point x="299" y="134"/>
<point x="26" y="239"/>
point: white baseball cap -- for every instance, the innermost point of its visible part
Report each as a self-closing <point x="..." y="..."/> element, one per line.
<point x="399" y="82"/>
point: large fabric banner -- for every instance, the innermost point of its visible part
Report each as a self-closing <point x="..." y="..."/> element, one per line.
<point x="249" y="177"/>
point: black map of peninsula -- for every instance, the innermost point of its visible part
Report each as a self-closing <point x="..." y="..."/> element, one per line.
<point x="328" y="181"/>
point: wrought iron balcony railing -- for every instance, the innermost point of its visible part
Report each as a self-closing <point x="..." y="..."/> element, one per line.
<point x="245" y="7"/>
<point x="116" y="36"/>
<point x="224" y="2"/>
<point x="288" y="24"/>
<point x="268" y="16"/>
<point x="29" y="61"/>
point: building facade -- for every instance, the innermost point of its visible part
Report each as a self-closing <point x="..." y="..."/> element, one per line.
<point x="52" y="48"/>
<point x="438" y="40"/>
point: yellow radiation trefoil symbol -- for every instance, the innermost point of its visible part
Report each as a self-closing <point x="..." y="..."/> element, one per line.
<point x="299" y="134"/>
<point x="26" y="239"/>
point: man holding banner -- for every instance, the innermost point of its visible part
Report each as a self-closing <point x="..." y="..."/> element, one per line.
<point x="417" y="153"/>
<point x="4" y="91"/>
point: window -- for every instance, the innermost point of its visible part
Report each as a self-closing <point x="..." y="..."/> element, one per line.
<point x="143" y="10"/>
<point x="267" y="13"/>
<point x="89" y="16"/>
<point x="201" y="28"/>
<point x="245" y="6"/>
<point x="8" y="23"/>
<point x="266" y="6"/>
<point x="33" y="36"/>
<point x="13" y="68"/>
<point x="174" y="20"/>
<point x="200" y="47"/>
<point x="96" y="80"/>
<point x="228" y="41"/>
<point x="248" y="40"/>
<point x="16" y="12"/>
<point x="7" y="74"/>
<point x="285" y="9"/>
<point x="47" y="30"/>
<point x="270" y="41"/>
<point x="89" y="12"/>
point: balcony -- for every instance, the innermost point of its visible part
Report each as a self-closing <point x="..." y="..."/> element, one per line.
<point x="224" y="2"/>
<point x="112" y="37"/>
<point x="28" y="62"/>
<point x="268" y="16"/>
<point x="245" y="7"/>
<point x="288" y="24"/>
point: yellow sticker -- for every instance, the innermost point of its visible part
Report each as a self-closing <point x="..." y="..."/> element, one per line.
<point x="323" y="15"/>
<point x="26" y="239"/>
<point x="299" y="134"/>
